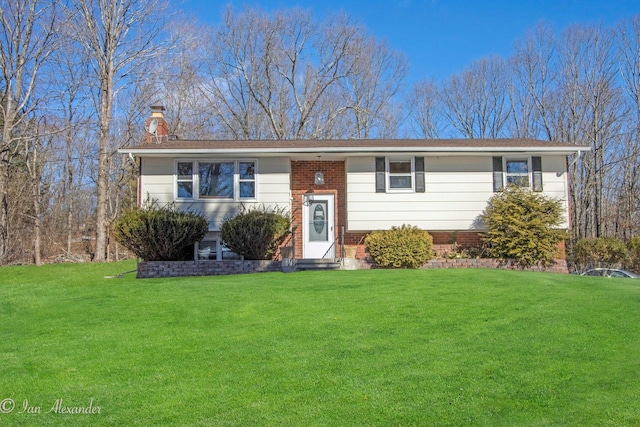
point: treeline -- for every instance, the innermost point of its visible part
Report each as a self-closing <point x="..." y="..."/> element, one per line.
<point x="78" y="77"/>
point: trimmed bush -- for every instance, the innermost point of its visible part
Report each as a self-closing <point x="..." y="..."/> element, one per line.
<point x="156" y="233"/>
<point x="600" y="252"/>
<point x="255" y="233"/>
<point x="401" y="247"/>
<point x="522" y="225"/>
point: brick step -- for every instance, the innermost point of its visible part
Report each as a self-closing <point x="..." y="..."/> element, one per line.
<point x="317" y="264"/>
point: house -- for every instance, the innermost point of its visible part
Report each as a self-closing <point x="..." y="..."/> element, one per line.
<point x="340" y="190"/>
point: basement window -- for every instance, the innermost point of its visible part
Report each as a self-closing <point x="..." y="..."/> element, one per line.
<point x="212" y="249"/>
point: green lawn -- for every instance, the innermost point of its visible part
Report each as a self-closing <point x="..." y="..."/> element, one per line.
<point x="346" y="348"/>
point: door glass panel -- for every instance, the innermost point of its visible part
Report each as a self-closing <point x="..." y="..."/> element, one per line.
<point x="318" y="220"/>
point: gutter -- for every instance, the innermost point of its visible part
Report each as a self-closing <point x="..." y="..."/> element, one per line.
<point x="352" y="150"/>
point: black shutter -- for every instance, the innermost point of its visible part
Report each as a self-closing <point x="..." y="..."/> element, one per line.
<point x="498" y="182"/>
<point x="419" y="166"/>
<point x="536" y="164"/>
<point x="381" y="184"/>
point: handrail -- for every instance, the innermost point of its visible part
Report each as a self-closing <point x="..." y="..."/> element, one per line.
<point x="329" y="250"/>
<point x="341" y="238"/>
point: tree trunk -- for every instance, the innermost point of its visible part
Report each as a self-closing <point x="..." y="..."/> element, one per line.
<point x="37" y="226"/>
<point x="4" y="208"/>
<point x="103" y="173"/>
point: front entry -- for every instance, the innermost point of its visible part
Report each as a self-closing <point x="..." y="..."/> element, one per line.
<point x="317" y="220"/>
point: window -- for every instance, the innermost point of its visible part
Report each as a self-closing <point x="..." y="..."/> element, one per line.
<point x="185" y="180"/>
<point x="247" y="178"/>
<point x="517" y="172"/>
<point x="226" y="180"/>
<point x="211" y="249"/>
<point x="207" y="249"/>
<point x="399" y="174"/>
<point x="523" y="172"/>
<point x="216" y="180"/>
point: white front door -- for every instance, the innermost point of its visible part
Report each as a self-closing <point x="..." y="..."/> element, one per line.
<point x="317" y="219"/>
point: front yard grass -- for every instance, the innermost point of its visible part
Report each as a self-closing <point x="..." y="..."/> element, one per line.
<point x="348" y="348"/>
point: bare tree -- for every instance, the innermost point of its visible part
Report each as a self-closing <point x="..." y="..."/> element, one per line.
<point x="27" y="35"/>
<point x="229" y="73"/>
<point x="35" y="148"/>
<point x="118" y="36"/>
<point x="287" y="76"/>
<point x="589" y="112"/>
<point x="424" y="108"/>
<point x="69" y="74"/>
<point x="370" y="90"/>
<point x="628" y="206"/>
<point x="174" y="81"/>
<point x="533" y="86"/>
<point x="475" y="101"/>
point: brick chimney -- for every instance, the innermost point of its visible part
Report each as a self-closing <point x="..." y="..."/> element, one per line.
<point x="156" y="127"/>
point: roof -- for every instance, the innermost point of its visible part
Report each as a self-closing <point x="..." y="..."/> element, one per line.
<point x="345" y="147"/>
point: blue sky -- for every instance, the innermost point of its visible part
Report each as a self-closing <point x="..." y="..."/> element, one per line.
<point x="441" y="37"/>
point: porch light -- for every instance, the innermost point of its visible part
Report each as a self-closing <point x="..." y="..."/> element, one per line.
<point x="319" y="178"/>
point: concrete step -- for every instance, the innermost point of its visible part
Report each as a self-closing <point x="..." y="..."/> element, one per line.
<point x="317" y="264"/>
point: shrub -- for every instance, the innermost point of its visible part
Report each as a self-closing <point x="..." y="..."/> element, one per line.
<point x="156" y="233"/>
<point x="634" y="253"/>
<point x="401" y="247"/>
<point x="522" y="225"/>
<point x="600" y="252"/>
<point x="255" y="233"/>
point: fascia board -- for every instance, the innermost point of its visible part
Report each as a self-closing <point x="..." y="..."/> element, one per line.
<point x="360" y="151"/>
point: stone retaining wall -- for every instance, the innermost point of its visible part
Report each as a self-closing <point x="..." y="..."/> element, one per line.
<point x="157" y="269"/>
<point x="152" y="269"/>
<point x="560" y="265"/>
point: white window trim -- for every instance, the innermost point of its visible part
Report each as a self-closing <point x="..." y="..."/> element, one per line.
<point x="176" y="180"/>
<point x="195" y="196"/>
<point x="412" y="177"/>
<point x="505" y="174"/>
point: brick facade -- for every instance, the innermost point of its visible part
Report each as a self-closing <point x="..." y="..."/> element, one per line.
<point x="302" y="183"/>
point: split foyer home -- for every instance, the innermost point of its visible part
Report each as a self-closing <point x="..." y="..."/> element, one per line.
<point x="338" y="191"/>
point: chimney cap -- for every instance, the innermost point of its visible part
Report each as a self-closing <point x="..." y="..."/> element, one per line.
<point x="158" y="108"/>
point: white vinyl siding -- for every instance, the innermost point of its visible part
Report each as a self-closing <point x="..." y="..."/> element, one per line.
<point x="458" y="189"/>
<point x="158" y="182"/>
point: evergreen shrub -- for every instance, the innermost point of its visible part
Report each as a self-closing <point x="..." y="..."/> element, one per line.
<point x="160" y="233"/>
<point x="256" y="233"/>
<point x="400" y="247"/>
<point x="600" y="252"/>
<point x="522" y="225"/>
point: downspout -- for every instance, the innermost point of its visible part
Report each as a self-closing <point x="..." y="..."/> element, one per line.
<point x="139" y="182"/>
<point x="574" y="160"/>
